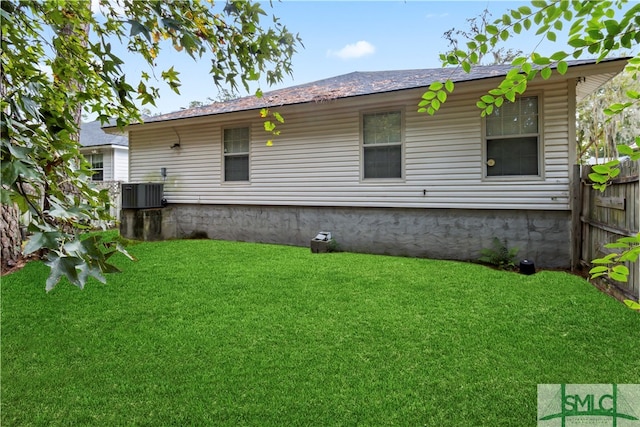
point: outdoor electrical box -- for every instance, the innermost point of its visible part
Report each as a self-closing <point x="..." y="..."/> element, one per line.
<point x="322" y="243"/>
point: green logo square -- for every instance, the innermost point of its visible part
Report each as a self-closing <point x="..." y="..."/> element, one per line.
<point x="606" y="405"/>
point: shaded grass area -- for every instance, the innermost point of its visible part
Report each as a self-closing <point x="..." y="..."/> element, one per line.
<point x="221" y="333"/>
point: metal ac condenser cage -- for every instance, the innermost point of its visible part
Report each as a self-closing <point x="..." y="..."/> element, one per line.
<point x="142" y="196"/>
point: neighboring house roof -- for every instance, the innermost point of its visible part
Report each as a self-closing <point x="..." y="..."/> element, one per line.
<point x="92" y="135"/>
<point x="350" y="85"/>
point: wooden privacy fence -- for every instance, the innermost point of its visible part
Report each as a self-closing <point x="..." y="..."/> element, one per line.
<point x="605" y="217"/>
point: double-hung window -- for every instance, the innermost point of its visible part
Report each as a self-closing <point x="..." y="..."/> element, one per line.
<point x="382" y="145"/>
<point x="512" y="135"/>
<point x="97" y="166"/>
<point x="236" y="154"/>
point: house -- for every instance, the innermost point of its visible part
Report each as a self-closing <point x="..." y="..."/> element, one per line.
<point x="108" y="153"/>
<point x="356" y="159"/>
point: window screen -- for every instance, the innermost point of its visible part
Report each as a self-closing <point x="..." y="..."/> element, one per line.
<point x="382" y="145"/>
<point x="512" y="138"/>
<point x="97" y="166"/>
<point x="236" y="154"/>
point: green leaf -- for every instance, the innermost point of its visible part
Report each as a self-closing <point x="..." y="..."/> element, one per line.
<point x="489" y="109"/>
<point x="577" y="42"/>
<point x="607" y="259"/>
<point x="563" y="67"/>
<point x="436" y="86"/>
<point x="492" y="29"/>
<point x="40" y="240"/>
<point x="63" y="266"/>
<point x="137" y="28"/>
<point x="625" y="150"/>
<point x="599" y="269"/>
<point x="543" y="29"/>
<point x="619" y="277"/>
<point x="269" y="126"/>
<point x="632" y="304"/>
<point x="449" y="86"/>
<point x="517" y="28"/>
<point x="612" y="26"/>
<point x="601" y="169"/>
<point x="621" y="269"/>
<point x="629" y="256"/>
<point x="428" y="96"/>
<point x="616" y="245"/>
<point x="487" y="99"/>
<point x="541" y="60"/>
<point x="597" y="178"/>
<point x="525" y="10"/>
<point x="85" y="271"/>
<point x="558" y="56"/>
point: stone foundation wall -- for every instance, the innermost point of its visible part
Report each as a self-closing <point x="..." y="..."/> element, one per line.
<point x="543" y="236"/>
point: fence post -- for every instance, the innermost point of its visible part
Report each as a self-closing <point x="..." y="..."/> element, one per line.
<point x="576" y="222"/>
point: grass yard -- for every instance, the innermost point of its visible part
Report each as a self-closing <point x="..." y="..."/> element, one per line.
<point x="207" y="332"/>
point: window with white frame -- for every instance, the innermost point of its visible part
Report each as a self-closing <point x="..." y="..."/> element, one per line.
<point x="382" y="145"/>
<point x="512" y="135"/>
<point x="236" y="154"/>
<point x="97" y="166"/>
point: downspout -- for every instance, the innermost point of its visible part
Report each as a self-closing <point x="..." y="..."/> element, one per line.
<point x="112" y="157"/>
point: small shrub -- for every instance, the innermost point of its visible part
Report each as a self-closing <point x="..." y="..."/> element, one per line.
<point x="499" y="255"/>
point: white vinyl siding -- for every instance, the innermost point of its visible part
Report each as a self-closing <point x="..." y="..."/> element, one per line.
<point x="115" y="162"/>
<point x="316" y="160"/>
<point x="121" y="164"/>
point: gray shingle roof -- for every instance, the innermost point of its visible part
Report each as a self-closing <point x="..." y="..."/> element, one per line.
<point x="91" y="135"/>
<point x="345" y="86"/>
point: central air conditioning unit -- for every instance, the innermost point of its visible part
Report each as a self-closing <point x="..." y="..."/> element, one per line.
<point x="142" y="196"/>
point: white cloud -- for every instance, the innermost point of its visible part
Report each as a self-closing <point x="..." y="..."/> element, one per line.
<point x="96" y="7"/>
<point x="352" y="51"/>
<point x="437" y="16"/>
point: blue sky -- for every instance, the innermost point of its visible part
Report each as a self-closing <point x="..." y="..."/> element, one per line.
<point x="344" y="36"/>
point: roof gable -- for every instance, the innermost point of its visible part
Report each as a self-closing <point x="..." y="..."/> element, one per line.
<point x="92" y="135"/>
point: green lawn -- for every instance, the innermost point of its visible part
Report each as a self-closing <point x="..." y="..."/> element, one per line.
<point x="205" y="332"/>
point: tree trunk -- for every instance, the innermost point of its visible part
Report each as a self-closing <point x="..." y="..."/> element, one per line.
<point x="11" y="236"/>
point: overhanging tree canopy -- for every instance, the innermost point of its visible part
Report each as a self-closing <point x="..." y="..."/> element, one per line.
<point x="58" y="57"/>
